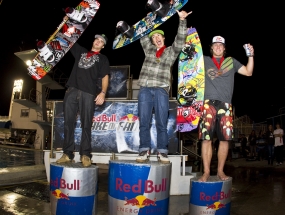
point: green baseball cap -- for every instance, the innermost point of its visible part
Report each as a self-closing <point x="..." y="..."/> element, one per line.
<point x="156" y="31"/>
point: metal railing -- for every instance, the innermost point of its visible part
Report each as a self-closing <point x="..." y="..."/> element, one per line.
<point x="4" y="118"/>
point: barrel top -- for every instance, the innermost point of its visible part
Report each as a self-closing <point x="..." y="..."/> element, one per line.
<point x="73" y="165"/>
<point x="211" y="179"/>
<point x="133" y="162"/>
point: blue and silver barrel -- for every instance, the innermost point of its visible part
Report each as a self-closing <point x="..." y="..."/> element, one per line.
<point x="73" y="189"/>
<point x="138" y="188"/>
<point x="211" y="197"/>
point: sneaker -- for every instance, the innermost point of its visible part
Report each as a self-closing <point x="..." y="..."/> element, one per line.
<point x="277" y="164"/>
<point x="280" y="163"/>
<point x="64" y="159"/>
<point x="162" y="157"/>
<point x="143" y="157"/>
<point x="86" y="161"/>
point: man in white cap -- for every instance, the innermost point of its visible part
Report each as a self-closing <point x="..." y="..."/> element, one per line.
<point x="154" y="82"/>
<point x="81" y="97"/>
<point x="217" y="115"/>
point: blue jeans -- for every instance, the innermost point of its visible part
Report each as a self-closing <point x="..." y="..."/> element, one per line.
<point x="270" y="152"/>
<point x="157" y="99"/>
<point x="78" y="101"/>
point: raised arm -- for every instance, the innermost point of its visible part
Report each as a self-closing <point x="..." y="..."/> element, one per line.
<point x="248" y="69"/>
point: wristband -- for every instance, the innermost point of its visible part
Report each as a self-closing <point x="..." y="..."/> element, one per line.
<point x="103" y="92"/>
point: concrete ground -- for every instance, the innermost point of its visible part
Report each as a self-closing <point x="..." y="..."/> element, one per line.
<point x="257" y="188"/>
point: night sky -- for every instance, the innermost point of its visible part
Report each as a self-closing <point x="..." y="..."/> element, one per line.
<point x="23" y="23"/>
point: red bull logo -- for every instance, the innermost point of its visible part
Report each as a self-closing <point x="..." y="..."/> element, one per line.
<point x="149" y="186"/>
<point x="217" y="196"/>
<point x="59" y="195"/>
<point x="216" y="206"/>
<point x="62" y="184"/>
<point x="140" y="201"/>
<point x="127" y="123"/>
<point x="104" y="118"/>
<point x="129" y="118"/>
<point x="211" y="208"/>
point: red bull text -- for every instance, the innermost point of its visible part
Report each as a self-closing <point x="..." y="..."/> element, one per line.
<point x="138" y="188"/>
<point x="73" y="187"/>
<point x="127" y="123"/>
<point x="211" y="197"/>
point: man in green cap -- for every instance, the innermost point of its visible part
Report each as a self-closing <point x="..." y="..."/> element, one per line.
<point x="154" y="82"/>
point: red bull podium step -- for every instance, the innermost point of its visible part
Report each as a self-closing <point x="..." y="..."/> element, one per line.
<point x="138" y="188"/>
<point x="211" y="197"/>
<point x="73" y="189"/>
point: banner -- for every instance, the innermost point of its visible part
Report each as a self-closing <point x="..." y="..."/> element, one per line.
<point x="118" y="82"/>
<point x="115" y="128"/>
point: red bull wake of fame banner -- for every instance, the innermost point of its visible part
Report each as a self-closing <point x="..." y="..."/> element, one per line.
<point x="211" y="197"/>
<point x="135" y="188"/>
<point x="115" y="128"/>
<point x="73" y="189"/>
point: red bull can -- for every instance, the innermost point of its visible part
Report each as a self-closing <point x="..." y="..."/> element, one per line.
<point x="138" y="188"/>
<point x="247" y="50"/>
<point x="211" y="197"/>
<point x="73" y="189"/>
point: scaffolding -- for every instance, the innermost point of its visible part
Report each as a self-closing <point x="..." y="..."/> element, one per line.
<point x="244" y="125"/>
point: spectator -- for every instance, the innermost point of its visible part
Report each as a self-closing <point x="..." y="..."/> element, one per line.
<point x="261" y="145"/>
<point x="278" y="134"/>
<point x="252" y="143"/>
<point x="270" y="144"/>
<point x="244" y="146"/>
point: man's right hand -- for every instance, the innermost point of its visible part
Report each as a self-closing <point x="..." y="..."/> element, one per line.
<point x="183" y="14"/>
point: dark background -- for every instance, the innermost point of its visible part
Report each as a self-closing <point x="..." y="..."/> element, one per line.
<point x="23" y="23"/>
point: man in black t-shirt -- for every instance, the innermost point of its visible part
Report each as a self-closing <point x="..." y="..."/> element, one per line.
<point x="81" y="96"/>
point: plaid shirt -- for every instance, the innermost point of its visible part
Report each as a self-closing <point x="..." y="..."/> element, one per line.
<point x="155" y="71"/>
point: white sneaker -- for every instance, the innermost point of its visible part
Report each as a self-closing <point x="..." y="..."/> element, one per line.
<point x="163" y="158"/>
<point x="143" y="157"/>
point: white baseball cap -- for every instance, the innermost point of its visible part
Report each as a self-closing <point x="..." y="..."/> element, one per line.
<point x="218" y="39"/>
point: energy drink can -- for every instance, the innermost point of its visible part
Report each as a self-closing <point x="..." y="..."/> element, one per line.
<point x="247" y="50"/>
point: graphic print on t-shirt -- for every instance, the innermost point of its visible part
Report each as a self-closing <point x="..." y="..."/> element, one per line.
<point x="87" y="62"/>
<point x="227" y="65"/>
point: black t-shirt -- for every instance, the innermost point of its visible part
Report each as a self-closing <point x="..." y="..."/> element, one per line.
<point x="87" y="72"/>
<point x="270" y="137"/>
<point x="252" y="139"/>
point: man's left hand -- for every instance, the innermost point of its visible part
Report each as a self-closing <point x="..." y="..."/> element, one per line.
<point x="100" y="99"/>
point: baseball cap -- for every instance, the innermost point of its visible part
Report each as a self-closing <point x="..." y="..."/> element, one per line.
<point x="218" y="39"/>
<point x="103" y="37"/>
<point x="156" y="32"/>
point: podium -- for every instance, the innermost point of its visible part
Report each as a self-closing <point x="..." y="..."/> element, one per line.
<point x="138" y="188"/>
<point x="73" y="189"/>
<point x="211" y="197"/>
